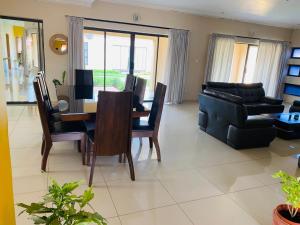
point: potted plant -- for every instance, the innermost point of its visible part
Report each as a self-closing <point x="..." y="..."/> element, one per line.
<point x="288" y="213"/>
<point x="57" y="82"/>
<point x="62" y="207"/>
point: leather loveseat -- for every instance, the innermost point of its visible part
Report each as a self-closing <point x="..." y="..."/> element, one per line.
<point x="228" y="112"/>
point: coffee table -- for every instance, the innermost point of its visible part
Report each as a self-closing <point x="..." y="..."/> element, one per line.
<point x="288" y="127"/>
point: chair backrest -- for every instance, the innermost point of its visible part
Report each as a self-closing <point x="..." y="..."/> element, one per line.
<point x="113" y="123"/>
<point x="42" y="109"/>
<point x="44" y="88"/>
<point x="157" y="106"/>
<point x="140" y="88"/>
<point x="129" y="83"/>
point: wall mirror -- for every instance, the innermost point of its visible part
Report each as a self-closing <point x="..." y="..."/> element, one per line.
<point x="59" y="44"/>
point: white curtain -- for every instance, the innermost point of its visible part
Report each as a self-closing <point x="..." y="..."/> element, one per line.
<point x="75" y="46"/>
<point x="222" y="61"/>
<point x="75" y="52"/>
<point x="177" y="64"/>
<point x="270" y="63"/>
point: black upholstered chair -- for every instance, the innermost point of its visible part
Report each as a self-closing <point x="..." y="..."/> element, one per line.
<point x="150" y="128"/>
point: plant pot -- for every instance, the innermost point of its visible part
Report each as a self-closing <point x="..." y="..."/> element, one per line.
<point x="281" y="216"/>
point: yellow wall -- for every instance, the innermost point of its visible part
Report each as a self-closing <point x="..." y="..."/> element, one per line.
<point x="53" y="15"/>
<point x="7" y="213"/>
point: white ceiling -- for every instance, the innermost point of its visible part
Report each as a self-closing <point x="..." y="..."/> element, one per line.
<point x="282" y="13"/>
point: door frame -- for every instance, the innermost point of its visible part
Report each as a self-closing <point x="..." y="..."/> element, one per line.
<point x="41" y="46"/>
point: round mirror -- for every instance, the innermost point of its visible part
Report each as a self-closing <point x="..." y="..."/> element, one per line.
<point x="59" y="44"/>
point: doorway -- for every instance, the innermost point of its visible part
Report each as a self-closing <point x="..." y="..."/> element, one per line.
<point x="22" y="56"/>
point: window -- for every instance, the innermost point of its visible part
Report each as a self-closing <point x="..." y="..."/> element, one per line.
<point x="243" y="63"/>
<point x="114" y="54"/>
<point x="292" y="89"/>
<point x="296" y="53"/>
<point x="85" y="53"/>
<point x="294" y="70"/>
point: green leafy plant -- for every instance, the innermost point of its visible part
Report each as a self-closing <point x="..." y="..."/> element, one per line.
<point x="57" y="82"/>
<point x="290" y="185"/>
<point x="61" y="207"/>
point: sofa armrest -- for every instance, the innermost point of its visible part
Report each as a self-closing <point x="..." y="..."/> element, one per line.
<point x="224" y="96"/>
<point x="272" y="101"/>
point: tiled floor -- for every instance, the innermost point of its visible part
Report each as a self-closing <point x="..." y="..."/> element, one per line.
<point x="199" y="181"/>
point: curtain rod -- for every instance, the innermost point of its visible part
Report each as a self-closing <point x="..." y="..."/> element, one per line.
<point x="126" y="23"/>
<point x="254" y="38"/>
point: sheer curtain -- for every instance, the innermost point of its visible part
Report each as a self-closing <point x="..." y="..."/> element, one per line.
<point x="270" y="66"/>
<point x="75" y="53"/>
<point x="177" y="64"/>
<point x="220" y="55"/>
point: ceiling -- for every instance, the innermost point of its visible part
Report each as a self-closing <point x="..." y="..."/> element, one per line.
<point x="282" y="13"/>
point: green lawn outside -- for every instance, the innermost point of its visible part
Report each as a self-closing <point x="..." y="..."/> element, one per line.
<point x="114" y="78"/>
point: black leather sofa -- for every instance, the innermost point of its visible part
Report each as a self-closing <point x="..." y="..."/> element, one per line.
<point x="295" y="107"/>
<point x="230" y="112"/>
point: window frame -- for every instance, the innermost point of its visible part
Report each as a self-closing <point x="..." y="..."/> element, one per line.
<point x="292" y="53"/>
<point x="288" y="73"/>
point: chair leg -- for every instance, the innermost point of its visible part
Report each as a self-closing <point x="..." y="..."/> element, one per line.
<point x="155" y="140"/>
<point x="43" y="146"/>
<point x="120" y="157"/>
<point x="150" y="142"/>
<point x="83" y="148"/>
<point x="79" y="146"/>
<point x="88" y="152"/>
<point x="92" y="169"/>
<point x="45" y="156"/>
<point x="131" y="168"/>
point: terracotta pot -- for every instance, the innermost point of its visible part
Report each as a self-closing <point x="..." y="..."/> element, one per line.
<point x="278" y="219"/>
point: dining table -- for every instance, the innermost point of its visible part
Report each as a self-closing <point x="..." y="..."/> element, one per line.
<point x="80" y="103"/>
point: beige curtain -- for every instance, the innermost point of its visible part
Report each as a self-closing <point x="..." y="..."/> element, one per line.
<point x="75" y="52"/>
<point x="270" y="64"/>
<point x="177" y="64"/>
<point x="222" y="59"/>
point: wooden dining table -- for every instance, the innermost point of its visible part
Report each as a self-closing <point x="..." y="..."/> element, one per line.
<point x="88" y="107"/>
<point x="70" y="116"/>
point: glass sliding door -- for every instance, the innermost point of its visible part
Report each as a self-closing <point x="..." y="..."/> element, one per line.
<point x="112" y="55"/>
<point x="23" y="57"/>
<point x="145" y="58"/>
<point x="93" y="57"/>
<point x="117" y="60"/>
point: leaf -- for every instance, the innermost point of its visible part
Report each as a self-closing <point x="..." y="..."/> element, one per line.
<point x="69" y="187"/>
<point x="39" y="220"/>
<point x="87" y="196"/>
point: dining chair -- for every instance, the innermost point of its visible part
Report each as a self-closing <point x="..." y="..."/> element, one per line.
<point x="150" y="128"/>
<point x="45" y="91"/>
<point x="129" y="83"/>
<point x="139" y="89"/>
<point x="112" y="135"/>
<point x="57" y="131"/>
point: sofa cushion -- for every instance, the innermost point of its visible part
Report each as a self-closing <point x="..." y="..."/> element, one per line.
<point x="251" y="94"/>
<point x="223" y="95"/>
<point x="262" y="108"/>
<point x="258" y="122"/>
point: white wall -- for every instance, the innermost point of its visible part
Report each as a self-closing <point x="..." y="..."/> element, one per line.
<point x="53" y="15"/>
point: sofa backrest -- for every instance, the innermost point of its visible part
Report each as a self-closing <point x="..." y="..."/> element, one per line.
<point x="248" y="92"/>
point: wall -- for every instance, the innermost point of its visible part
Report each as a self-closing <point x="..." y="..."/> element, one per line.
<point x="295" y="42"/>
<point x="55" y="22"/>
<point x="7" y="212"/>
